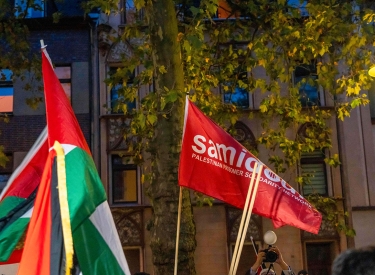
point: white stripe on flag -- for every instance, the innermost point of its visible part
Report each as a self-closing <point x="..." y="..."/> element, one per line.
<point x="103" y="221"/>
<point x="28" y="213"/>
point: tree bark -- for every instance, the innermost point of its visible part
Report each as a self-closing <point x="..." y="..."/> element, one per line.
<point x="165" y="147"/>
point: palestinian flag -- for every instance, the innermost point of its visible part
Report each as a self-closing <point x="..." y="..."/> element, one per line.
<point x="17" y="200"/>
<point x="71" y="229"/>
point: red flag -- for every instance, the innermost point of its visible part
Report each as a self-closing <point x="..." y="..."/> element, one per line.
<point x="214" y="163"/>
<point x="17" y="200"/>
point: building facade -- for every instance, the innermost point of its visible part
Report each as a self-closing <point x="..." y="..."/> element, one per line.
<point x="84" y="56"/>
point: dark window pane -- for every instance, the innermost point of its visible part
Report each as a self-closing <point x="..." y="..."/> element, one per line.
<point x="34" y="11"/>
<point x="116" y="99"/>
<point x="300" y="5"/>
<point x="314" y="170"/>
<point x="319" y="258"/>
<point x="3" y="180"/>
<point x="133" y="258"/>
<point x="305" y="78"/>
<point x="240" y="98"/>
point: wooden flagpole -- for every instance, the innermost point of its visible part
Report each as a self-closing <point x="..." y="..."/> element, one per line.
<point x="248" y="216"/>
<point x="246" y="208"/>
<point x="178" y="231"/>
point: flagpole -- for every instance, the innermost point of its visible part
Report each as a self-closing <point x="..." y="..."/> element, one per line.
<point x="178" y="231"/>
<point x="248" y="215"/>
<point x="239" y="235"/>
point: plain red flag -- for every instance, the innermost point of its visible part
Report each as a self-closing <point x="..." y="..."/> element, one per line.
<point x="214" y="163"/>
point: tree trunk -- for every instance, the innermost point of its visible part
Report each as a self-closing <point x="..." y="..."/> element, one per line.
<point x="164" y="190"/>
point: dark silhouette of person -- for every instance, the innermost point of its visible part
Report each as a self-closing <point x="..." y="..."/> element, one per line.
<point x="357" y="261"/>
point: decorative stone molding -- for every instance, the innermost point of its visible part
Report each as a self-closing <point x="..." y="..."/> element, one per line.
<point x="327" y="231"/>
<point x="254" y="230"/>
<point x="129" y="224"/>
<point x="244" y="136"/>
<point x="118" y="51"/>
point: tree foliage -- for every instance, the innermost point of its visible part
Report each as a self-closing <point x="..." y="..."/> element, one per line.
<point x="331" y="39"/>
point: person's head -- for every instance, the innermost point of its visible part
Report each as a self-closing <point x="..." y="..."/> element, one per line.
<point x="359" y="261"/>
<point x="302" y="272"/>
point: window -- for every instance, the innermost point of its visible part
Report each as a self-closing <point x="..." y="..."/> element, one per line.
<point x="305" y="79"/>
<point x="239" y="96"/>
<point x="313" y="169"/>
<point x="300" y="5"/>
<point x="224" y="11"/>
<point x="6" y="91"/>
<point x="130" y="13"/>
<point x="6" y="172"/>
<point x="133" y="257"/>
<point x="319" y="258"/>
<point x="64" y="73"/>
<point x="117" y="97"/>
<point x="124" y="180"/>
<point x="36" y="10"/>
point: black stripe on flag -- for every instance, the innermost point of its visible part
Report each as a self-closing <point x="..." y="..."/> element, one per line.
<point x="57" y="246"/>
<point x="18" y="211"/>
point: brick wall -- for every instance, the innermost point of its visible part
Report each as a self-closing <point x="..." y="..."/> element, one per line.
<point x="22" y="131"/>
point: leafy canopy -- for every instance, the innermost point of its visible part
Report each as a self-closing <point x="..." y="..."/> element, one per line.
<point x="330" y="39"/>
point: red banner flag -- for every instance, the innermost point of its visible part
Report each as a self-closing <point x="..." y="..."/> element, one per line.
<point x="214" y="163"/>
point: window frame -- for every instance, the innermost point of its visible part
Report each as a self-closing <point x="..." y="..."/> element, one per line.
<point x="110" y="104"/>
<point x="139" y="268"/>
<point x="250" y="99"/>
<point x="333" y="250"/>
<point x="30" y="12"/>
<point x="65" y="80"/>
<point x="312" y="74"/>
<point x="301" y="7"/>
<point x="6" y="171"/>
<point x="126" y="167"/>
<point x="129" y="13"/>
<point x="310" y="158"/>
<point x="5" y="84"/>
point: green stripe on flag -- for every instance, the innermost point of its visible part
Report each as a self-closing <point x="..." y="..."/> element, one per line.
<point x="94" y="255"/>
<point x="95" y="238"/>
<point x="13" y="223"/>
<point x="85" y="189"/>
<point x="10" y="236"/>
<point x="8" y="204"/>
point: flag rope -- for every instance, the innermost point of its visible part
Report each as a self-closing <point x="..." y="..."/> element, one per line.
<point x="64" y="207"/>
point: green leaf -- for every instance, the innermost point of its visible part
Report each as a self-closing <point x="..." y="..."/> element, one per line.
<point x="152" y="119"/>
